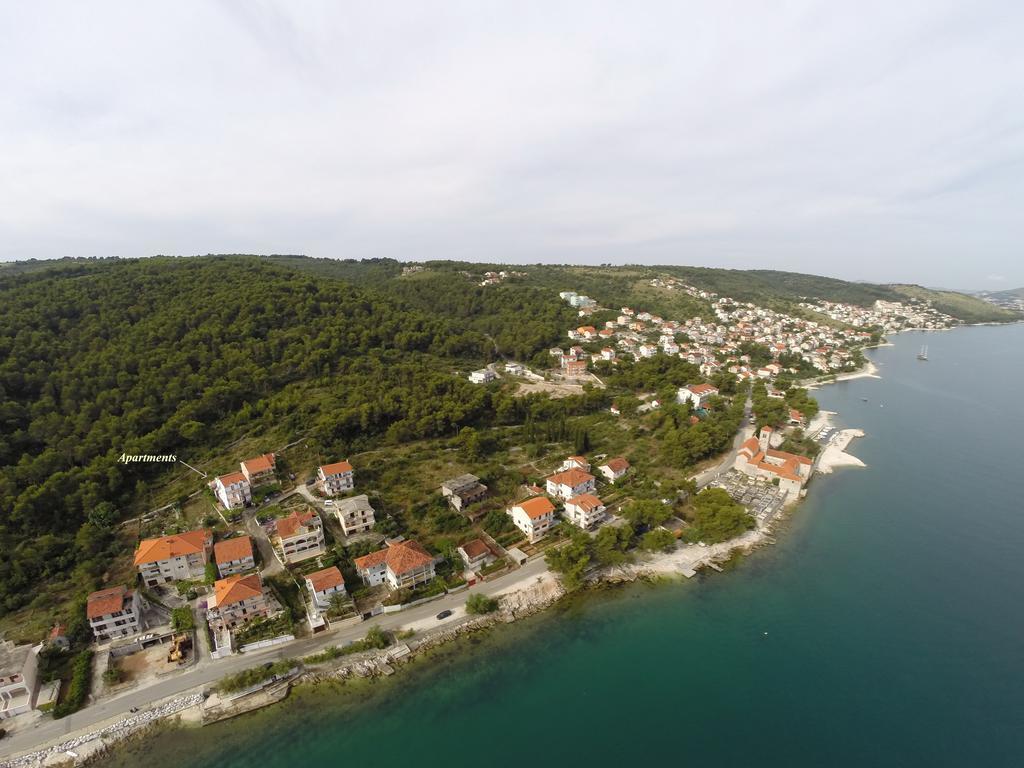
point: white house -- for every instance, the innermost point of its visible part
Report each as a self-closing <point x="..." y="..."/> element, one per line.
<point x="584" y="511"/>
<point x="401" y="565"/>
<point x="19" y="665"/>
<point x="483" y="376"/>
<point x="607" y="353"/>
<point x="475" y="554"/>
<point x="575" y="462"/>
<point x="614" y="468"/>
<point x="114" y="612"/>
<point x="301" y="536"/>
<point x="698" y="394"/>
<point x="325" y="584"/>
<point x="570" y="483"/>
<point x="335" y="478"/>
<point x="534" y="517"/>
<point x="233" y="555"/>
<point x="356" y="515"/>
<point x="173" y="558"/>
<point x="233" y="490"/>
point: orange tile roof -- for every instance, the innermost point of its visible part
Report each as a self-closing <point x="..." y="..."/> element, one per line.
<point x="235" y="589"/>
<point x="107" y="601"/>
<point x="325" y="579"/>
<point x="571" y="477"/>
<point x="586" y="501"/>
<point x="475" y="549"/>
<point x="166" y="547"/>
<point x="238" y="548"/>
<point x="618" y="464"/>
<point x="289" y="526"/>
<point x="536" y="507"/>
<point x="400" y="558"/>
<point x="336" y="468"/>
<point x="263" y="463"/>
<point x="231" y="478"/>
<point x="701" y="389"/>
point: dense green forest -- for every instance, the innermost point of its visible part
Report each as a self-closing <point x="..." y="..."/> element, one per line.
<point x="173" y="356"/>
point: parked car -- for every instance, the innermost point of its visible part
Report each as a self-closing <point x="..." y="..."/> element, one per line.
<point x="443" y="615"/>
<point x="311" y="481"/>
<point x="329" y="503"/>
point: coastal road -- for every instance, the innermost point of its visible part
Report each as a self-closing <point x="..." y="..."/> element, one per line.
<point x="208" y="671"/>
<point x="745" y="431"/>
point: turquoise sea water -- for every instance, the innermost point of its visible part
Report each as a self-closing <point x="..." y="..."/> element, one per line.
<point x="892" y="605"/>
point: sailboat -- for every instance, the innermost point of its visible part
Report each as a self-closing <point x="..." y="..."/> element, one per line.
<point x="923" y="354"/>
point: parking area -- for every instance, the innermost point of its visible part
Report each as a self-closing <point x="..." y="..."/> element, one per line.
<point x="762" y="499"/>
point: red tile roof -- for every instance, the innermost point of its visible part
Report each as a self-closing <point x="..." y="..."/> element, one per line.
<point x="325" y="579"/>
<point x="475" y="548"/>
<point x="702" y="389"/>
<point x="618" y="464"/>
<point x="235" y="589"/>
<point x="238" y="548"/>
<point x="571" y="477"/>
<point x="538" y="506"/>
<point x="263" y="463"/>
<point x="336" y="468"/>
<point x="586" y="501"/>
<point x="107" y="601"/>
<point x="166" y="547"/>
<point x="231" y="478"/>
<point x="291" y="525"/>
<point x="400" y="558"/>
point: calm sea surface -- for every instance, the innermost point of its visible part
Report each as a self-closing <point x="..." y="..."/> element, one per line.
<point x="893" y="606"/>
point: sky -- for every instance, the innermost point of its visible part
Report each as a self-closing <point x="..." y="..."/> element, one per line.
<point x="878" y="141"/>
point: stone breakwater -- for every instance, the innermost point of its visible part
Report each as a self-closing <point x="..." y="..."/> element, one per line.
<point x="514" y="605"/>
<point x="114" y="732"/>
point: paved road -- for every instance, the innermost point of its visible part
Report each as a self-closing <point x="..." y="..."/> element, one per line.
<point x="746" y="430"/>
<point x="208" y="670"/>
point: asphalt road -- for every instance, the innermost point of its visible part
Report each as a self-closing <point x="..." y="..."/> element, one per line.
<point x="207" y="670"/>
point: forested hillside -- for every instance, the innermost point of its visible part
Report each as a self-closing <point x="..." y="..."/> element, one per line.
<point x="172" y="356"/>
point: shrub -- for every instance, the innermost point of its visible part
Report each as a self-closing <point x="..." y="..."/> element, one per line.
<point x="182" y="619"/>
<point x="249" y="677"/>
<point x="81" y="676"/>
<point x="479" y="604"/>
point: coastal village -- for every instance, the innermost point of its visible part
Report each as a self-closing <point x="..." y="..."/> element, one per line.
<point x="292" y="554"/>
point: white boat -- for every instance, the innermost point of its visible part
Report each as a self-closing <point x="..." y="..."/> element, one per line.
<point x="923" y="354"/>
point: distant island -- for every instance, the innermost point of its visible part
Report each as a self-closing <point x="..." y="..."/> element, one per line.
<point x="331" y="447"/>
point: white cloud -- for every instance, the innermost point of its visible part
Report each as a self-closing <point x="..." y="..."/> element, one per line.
<point x="868" y="140"/>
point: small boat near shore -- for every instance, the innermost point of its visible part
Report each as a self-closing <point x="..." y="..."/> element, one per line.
<point x="923" y="354"/>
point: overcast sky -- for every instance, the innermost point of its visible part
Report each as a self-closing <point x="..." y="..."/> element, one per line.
<point x="879" y="141"/>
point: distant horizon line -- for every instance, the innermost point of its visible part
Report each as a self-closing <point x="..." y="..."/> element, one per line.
<point x="35" y="259"/>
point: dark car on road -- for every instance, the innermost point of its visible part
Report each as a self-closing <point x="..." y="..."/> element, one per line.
<point x="444" y="615"/>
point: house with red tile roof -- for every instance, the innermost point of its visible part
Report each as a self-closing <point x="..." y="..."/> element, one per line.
<point x="335" y="478"/>
<point x="233" y="556"/>
<point x="260" y="470"/>
<point x="585" y="511"/>
<point x="301" y="535"/>
<point x="401" y="565"/>
<point x="534" y="517"/>
<point x="236" y="600"/>
<point x="114" y="612"/>
<point x="575" y="462"/>
<point x="173" y="558"/>
<point x="697" y="394"/>
<point x="232" y="490"/>
<point x="613" y="469"/>
<point x="571" y="482"/>
<point x="324" y="585"/>
<point x="756" y="459"/>
<point x="475" y="554"/>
